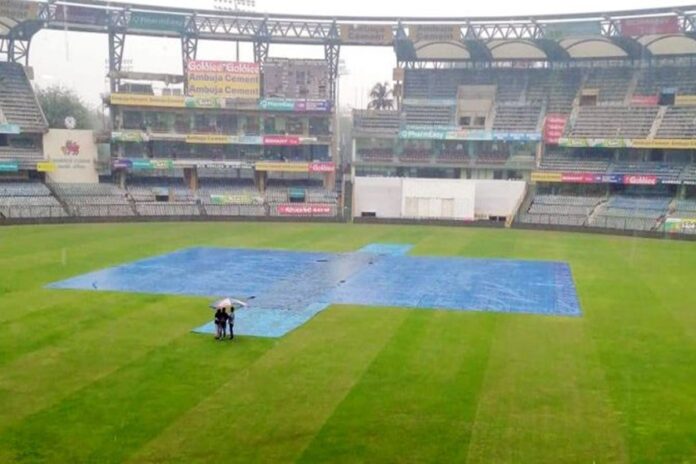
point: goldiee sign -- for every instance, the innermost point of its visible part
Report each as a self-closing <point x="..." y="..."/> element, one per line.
<point x="224" y="79"/>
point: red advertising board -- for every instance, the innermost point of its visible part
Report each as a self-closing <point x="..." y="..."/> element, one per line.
<point x="281" y="140"/>
<point x="635" y="27"/>
<point x="640" y="180"/>
<point x="290" y="209"/>
<point x="326" y="166"/>
<point x="578" y="178"/>
<point x="554" y="125"/>
<point x="644" y="100"/>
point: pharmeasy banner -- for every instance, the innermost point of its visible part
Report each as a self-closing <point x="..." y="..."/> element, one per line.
<point x="73" y="153"/>
<point x="225" y="79"/>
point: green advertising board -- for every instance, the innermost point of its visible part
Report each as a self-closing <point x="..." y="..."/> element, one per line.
<point x="277" y="105"/>
<point x="157" y="22"/>
<point x="9" y="166"/>
<point x="142" y="165"/>
<point x="558" y="31"/>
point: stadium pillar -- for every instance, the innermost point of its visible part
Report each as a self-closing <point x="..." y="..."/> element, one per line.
<point x="189" y="51"/>
<point x="117" y="42"/>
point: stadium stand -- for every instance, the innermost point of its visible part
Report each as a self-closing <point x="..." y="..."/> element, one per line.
<point x="19" y="200"/>
<point x="613" y="122"/>
<point x="423" y="115"/>
<point x="379" y="121"/>
<point x="612" y="83"/>
<point x="678" y="123"/>
<point x="94" y="200"/>
<point x="575" y="162"/>
<point x="633" y="212"/>
<point x="562" y="210"/>
<point x="652" y="80"/>
<point x="517" y="118"/>
<point x="17" y="100"/>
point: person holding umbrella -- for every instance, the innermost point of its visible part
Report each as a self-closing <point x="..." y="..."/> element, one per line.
<point x="220" y="323"/>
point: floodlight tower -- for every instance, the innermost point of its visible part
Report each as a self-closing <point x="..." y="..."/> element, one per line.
<point x="235" y="6"/>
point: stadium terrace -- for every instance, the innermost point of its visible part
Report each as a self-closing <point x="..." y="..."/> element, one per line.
<point x="583" y="122"/>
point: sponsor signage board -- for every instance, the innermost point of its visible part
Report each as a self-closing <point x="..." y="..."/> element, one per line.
<point x="538" y="176"/>
<point x="9" y="166"/>
<point x="72" y="14"/>
<point x="45" y="166"/>
<point x="679" y="225"/>
<point x="19" y="10"/>
<point x="74" y="154"/>
<point x="310" y="209"/>
<point x="223" y="79"/>
<point x="636" y="27"/>
<point x="165" y="101"/>
<point x="157" y="22"/>
<point x="434" y="33"/>
<point x="369" y="34"/>
<point x="685" y="100"/>
<point x="558" y="31"/>
<point x="9" y="129"/>
<point x="322" y="167"/>
<point x="281" y="140"/>
<point x="644" y="100"/>
<point x="121" y="163"/>
<point x="282" y="167"/>
<point x="554" y="125"/>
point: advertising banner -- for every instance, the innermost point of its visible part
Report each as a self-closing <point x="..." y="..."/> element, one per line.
<point x="121" y="164"/>
<point x="685" y="100"/>
<point x="224" y="79"/>
<point x="45" y="166"/>
<point x="640" y="180"/>
<point x="231" y="199"/>
<point x="297" y="106"/>
<point x="294" y="209"/>
<point x="157" y="22"/>
<point x="128" y="136"/>
<point x="74" y="154"/>
<point x="282" y="167"/>
<point x="212" y="164"/>
<point x="558" y="31"/>
<point x="210" y="139"/>
<point x="546" y="176"/>
<point x="635" y="27"/>
<point x="679" y="225"/>
<point x="162" y="164"/>
<point x="369" y="34"/>
<point x="592" y="143"/>
<point x="19" y="10"/>
<point x="9" y="166"/>
<point x="578" y="178"/>
<point x="9" y="129"/>
<point x="434" y="33"/>
<point x="609" y="178"/>
<point x="322" y="166"/>
<point x="141" y="165"/>
<point x="677" y="144"/>
<point x="554" y="125"/>
<point x="165" y="101"/>
<point x="281" y="140"/>
<point x="81" y="15"/>
<point x="644" y="100"/>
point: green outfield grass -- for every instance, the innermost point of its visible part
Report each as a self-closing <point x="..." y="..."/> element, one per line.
<point x="112" y="377"/>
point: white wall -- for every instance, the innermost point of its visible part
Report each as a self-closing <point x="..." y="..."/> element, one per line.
<point x="380" y="195"/>
<point x="438" y="199"/>
<point x="461" y="199"/>
<point x="497" y="197"/>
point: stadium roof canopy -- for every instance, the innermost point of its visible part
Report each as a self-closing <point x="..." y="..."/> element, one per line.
<point x="633" y="34"/>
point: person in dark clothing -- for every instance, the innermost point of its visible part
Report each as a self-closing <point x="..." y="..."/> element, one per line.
<point x="220" y="323"/>
<point x="230" y="321"/>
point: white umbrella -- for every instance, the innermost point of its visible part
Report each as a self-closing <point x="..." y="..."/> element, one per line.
<point x="227" y="303"/>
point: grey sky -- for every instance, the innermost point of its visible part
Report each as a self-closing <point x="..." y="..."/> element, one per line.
<point x="78" y="60"/>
